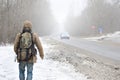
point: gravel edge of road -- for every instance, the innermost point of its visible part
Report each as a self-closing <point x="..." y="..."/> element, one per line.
<point x="95" y="67"/>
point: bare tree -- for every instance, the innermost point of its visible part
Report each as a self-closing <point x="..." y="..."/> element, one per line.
<point x="14" y="12"/>
<point x="99" y="13"/>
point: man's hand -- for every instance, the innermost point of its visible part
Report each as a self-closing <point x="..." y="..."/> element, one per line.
<point x="42" y="57"/>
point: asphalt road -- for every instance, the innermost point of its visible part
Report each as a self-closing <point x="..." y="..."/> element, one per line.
<point x="110" y="51"/>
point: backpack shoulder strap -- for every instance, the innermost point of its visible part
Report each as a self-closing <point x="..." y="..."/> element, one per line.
<point x="32" y="39"/>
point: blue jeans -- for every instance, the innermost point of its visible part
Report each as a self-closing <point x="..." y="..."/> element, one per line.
<point x="22" y="66"/>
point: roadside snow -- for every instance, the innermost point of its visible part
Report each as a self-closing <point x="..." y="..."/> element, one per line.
<point x="43" y="70"/>
<point x="115" y="37"/>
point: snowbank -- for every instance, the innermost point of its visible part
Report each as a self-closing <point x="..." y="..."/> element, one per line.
<point x="111" y="36"/>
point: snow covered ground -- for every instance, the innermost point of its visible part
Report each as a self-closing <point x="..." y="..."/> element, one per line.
<point x="115" y="37"/>
<point x="46" y="69"/>
<point x="49" y="69"/>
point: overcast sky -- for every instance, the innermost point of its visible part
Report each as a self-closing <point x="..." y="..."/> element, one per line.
<point x="61" y="8"/>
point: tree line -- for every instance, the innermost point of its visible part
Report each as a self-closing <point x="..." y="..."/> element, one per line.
<point x="14" y="12"/>
<point x="99" y="14"/>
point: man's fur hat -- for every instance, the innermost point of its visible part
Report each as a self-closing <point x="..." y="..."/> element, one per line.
<point x="27" y="24"/>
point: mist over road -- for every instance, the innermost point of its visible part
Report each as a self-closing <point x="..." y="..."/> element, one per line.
<point x="111" y="51"/>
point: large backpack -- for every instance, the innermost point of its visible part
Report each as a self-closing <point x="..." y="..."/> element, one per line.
<point x="26" y="47"/>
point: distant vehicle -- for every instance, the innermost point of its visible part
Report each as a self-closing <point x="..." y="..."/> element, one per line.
<point x="64" y="35"/>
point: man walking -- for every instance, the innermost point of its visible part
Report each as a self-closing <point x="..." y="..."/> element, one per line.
<point x="25" y="50"/>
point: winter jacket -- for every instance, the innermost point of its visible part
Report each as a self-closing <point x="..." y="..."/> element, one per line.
<point x="36" y="41"/>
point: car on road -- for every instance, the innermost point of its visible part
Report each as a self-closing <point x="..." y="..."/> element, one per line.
<point x="64" y="35"/>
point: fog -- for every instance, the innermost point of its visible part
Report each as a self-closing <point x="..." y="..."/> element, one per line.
<point x="86" y="18"/>
<point x="77" y="17"/>
<point x="97" y="18"/>
<point x="62" y="8"/>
